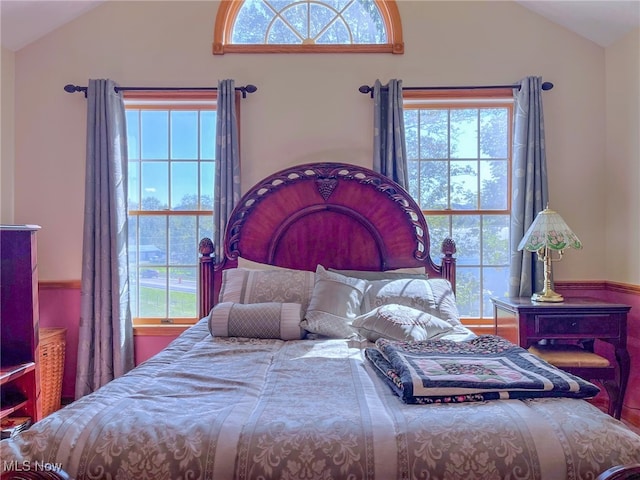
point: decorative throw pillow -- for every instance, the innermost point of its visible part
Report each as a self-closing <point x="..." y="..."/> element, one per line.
<point x="334" y="305"/>
<point x="434" y="296"/>
<point x="256" y="320"/>
<point x="398" y="322"/>
<point x="243" y="285"/>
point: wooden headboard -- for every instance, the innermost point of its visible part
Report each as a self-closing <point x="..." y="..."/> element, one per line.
<point x="334" y="214"/>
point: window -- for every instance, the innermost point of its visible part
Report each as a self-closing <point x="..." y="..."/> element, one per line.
<point x="171" y="148"/>
<point x="285" y="26"/>
<point x="459" y="163"/>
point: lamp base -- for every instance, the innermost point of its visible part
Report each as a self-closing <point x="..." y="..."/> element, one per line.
<point x="547" y="296"/>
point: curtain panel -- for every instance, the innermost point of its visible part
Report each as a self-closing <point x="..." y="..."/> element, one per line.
<point x="389" y="147"/>
<point x="105" y="348"/>
<point x="530" y="192"/>
<point x="227" y="178"/>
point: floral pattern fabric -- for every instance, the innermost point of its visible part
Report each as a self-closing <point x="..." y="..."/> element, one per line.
<point x="241" y="408"/>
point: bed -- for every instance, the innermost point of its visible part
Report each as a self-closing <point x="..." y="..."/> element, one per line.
<point x="279" y="379"/>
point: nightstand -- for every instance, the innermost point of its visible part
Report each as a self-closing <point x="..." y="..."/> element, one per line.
<point x="576" y="320"/>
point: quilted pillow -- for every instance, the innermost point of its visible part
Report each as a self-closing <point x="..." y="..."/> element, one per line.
<point x="244" y="285"/>
<point x="434" y="296"/>
<point x="256" y="320"/>
<point x="334" y="305"/>
<point x="398" y="322"/>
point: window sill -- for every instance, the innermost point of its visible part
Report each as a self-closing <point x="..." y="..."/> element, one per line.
<point x="159" y="330"/>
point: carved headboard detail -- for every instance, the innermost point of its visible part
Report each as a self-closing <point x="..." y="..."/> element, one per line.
<point x="338" y="215"/>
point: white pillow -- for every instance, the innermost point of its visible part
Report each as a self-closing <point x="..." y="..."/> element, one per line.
<point x="334" y="305"/>
<point x="256" y="320"/>
<point x="243" y="285"/>
<point x="399" y="322"/>
<point x="434" y="296"/>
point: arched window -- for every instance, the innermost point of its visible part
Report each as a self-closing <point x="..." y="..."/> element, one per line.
<point x="307" y="26"/>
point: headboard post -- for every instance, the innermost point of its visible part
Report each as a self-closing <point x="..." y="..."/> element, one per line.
<point x="448" y="265"/>
<point x="206" y="276"/>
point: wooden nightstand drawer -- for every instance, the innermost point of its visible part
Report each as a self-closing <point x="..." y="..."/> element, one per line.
<point x="588" y="325"/>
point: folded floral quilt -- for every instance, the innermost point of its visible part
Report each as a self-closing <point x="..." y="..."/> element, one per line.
<point x="485" y="368"/>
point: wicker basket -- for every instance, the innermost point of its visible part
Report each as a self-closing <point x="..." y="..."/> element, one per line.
<point x="52" y="347"/>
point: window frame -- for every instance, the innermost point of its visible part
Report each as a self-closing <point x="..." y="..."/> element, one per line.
<point x="228" y="12"/>
<point x="146" y="100"/>
<point x="469" y="98"/>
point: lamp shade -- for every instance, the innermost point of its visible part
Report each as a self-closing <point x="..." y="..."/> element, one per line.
<point x="550" y="231"/>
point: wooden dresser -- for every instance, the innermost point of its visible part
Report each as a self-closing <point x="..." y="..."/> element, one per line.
<point x="19" y="370"/>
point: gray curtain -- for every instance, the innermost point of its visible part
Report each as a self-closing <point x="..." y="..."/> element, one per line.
<point x="389" y="148"/>
<point x="530" y="192"/>
<point x="105" y="347"/>
<point x="227" y="179"/>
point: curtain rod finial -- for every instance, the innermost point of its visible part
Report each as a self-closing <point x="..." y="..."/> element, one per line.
<point x="547" y="86"/>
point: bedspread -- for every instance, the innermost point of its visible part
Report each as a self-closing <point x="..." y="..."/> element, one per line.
<point x="232" y="408"/>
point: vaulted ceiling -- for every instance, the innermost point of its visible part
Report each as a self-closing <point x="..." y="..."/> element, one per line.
<point x="601" y="21"/>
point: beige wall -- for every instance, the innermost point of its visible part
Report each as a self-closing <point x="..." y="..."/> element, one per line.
<point x="307" y="107"/>
<point x="7" y="134"/>
<point x="623" y="160"/>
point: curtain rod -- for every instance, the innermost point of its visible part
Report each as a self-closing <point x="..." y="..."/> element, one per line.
<point x="368" y="89"/>
<point x="70" y="88"/>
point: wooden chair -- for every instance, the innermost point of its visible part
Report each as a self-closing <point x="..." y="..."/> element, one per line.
<point x="586" y="364"/>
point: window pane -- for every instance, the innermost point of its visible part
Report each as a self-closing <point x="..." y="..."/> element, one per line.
<point x="182" y="292"/>
<point x="184" y="186"/>
<point x="208" y="135"/>
<point x="366" y="23"/>
<point x="464" y="133"/>
<point x="493" y="181"/>
<point x="281" y="33"/>
<point x="183" y="242"/>
<point x="336" y="34"/>
<point x="464" y="185"/>
<point x="206" y="185"/>
<point x="411" y="134"/>
<point x="495" y="284"/>
<point x="153" y="293"/>
<point x="434" y="177"/>
<point x="155" y="134"/>
<point x="495" y="240"/>
<point x="155" y="185"/>
<point x="205" y="227"/>
<point x="434" y="139"/>
<point x="439" y="229"/>
<point x="152" y="249"/>
<point x="252" y="23"/>
<point x="413" y="173"/>
<point x="494" y="130"/>
<point x="296" y="19"/>
<point x="132" y="232"/>
<point x="468" y="291"/>
<point x="184" y="135"/>
<point x="133" y="134"/>
<point x="466" y="233"/>
<point x="133" y="184"/>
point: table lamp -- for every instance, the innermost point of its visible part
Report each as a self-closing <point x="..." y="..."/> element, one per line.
<point x="548" y="233"/>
